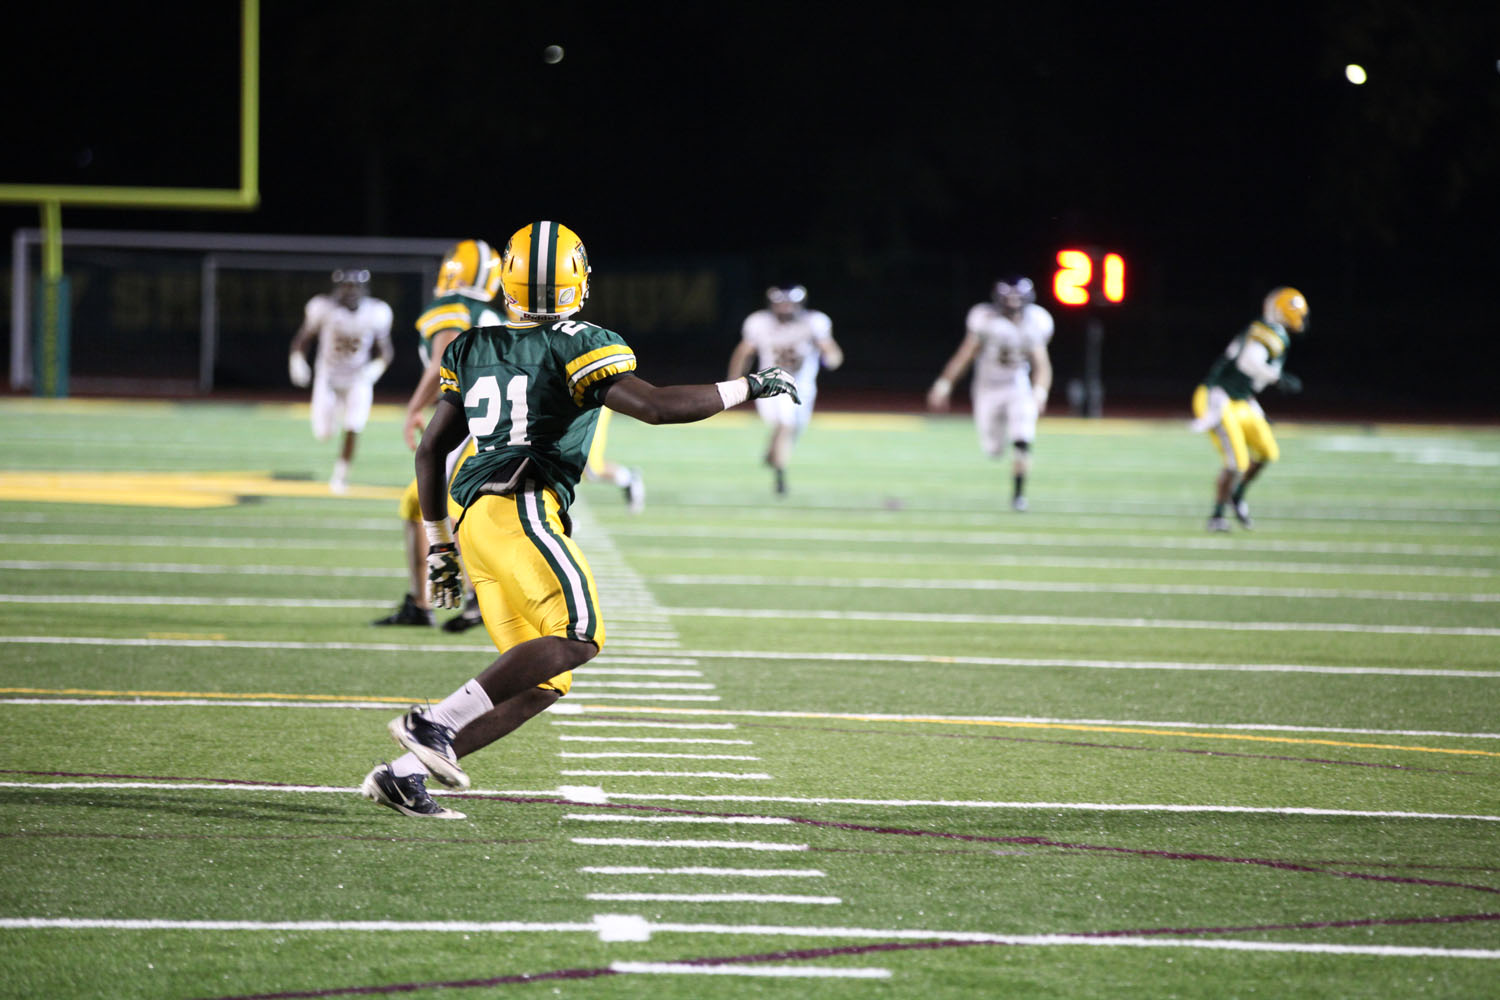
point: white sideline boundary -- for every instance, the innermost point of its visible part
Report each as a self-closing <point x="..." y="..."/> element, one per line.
<point x="562" y="793"/>
<point x="128" y="700"/>
<point x="648" y="663"/>
<point x="603" y="922"/>
<point x="821" y="583"/>
<point x="772" y="555"/>
<point x="645" y="659"/>
<point x="138" y="701"/>
<point x="1068" y="621"/>
<point x="1091" y="664"/>
<point x="1268" y="727"/>
<point x="1057" y="587"/>
<point x="982" y="539"/>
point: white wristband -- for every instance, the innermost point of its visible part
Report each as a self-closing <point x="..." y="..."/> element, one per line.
<point x="733" y="393"/>
<point x="943" y="386"/>
<point x="437" y="532"/>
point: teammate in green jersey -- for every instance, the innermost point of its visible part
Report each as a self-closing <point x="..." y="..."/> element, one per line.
<point x="468" y="279"/>
<point x="529" y="391"/>
<point x="1225" y="407"/>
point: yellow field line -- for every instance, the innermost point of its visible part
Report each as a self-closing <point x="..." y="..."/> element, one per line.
<point x="236" y="695"/>
<point x="1073" y="726"/>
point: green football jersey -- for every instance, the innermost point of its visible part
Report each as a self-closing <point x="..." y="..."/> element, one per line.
<point x="452" y="312"/>
<point x="529" y="393"/>
<point x="1226" y="374"/>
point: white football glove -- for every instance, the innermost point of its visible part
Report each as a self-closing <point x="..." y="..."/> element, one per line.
<point x="299" y="369"/>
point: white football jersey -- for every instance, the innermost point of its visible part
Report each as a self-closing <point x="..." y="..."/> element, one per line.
<point x="1005" y="345"/>
<point x="794" y="345"/>
<point x="346" y="337"/>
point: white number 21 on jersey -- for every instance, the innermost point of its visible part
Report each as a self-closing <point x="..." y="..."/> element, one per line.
<point x="486" y="392"/>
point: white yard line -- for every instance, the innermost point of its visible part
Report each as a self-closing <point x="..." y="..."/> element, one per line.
<point x="145" y="700"/>
<point x="195" y="569"/>
<point x="632" y="818"/>
<point x="710" y="897"/>
<point x="359" y="647"/>
<point x="733" y="845"/>
<point x="642" y="754"/>
<point x="653" y="739"/>
<point x="583" y="690"/>
<point x="773" y="799"/>
<point x="197" y="542"/>
<point x="766" y="971"/>
<point x="641" y="685"/>
<point x="1123" y="807"/>
<point x="799" y="556"/>
<point x="1054" y="587"/>
<point x="631" y="724"/>
<point x="1164" y="542"/>
<point x="1046" y="720"/>
<point x="721" y="775"/>
<point x="868" y="656"/>
<point x="1063" y="621"/>
<point x="727" y="872"/>
<point x="606" y="922"/>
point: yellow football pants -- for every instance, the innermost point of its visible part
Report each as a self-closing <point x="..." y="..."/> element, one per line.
<point x="531" y="579"/>
<point x="411" y="507"/>
<point x="1242" y="432"/>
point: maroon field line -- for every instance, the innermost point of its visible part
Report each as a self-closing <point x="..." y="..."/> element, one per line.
<point x="943" y="835"/>
<point x="800" y="954"/>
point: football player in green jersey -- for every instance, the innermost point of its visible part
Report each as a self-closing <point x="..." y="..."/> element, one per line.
<point x="1226" y="408"/>
<point x="529" y="391"/>
<point x="467" y="281"/>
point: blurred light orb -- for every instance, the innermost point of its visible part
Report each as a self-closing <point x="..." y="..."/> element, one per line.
<point x="552" y="54"/>
<point x="1355" y="74"/>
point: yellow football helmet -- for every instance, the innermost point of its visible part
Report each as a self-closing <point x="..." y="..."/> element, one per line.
<point x="470" y="268"/>
<point x="1288" y="307"/>
<point x="544" y="273"/>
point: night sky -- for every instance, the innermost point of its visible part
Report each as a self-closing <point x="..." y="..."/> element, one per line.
<point x="896" y="163"/>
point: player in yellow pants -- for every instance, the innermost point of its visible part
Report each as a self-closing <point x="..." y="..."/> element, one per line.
<point x="1226" y="408"/>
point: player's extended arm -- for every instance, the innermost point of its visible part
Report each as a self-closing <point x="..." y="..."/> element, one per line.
<point x="1041" y="376"/>
<point x="683" y="404"/>
<point x="740" y="359"/>
<point x="937" y="396"/>
<point x="448" y="427"/>
<point x="426" y="392"/>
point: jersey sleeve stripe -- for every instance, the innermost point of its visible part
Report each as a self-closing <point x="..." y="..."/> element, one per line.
<point x="1264" y="336"/>
<point x="590" y="368"/>
<point x="447" y="381"/>
<point x="443" y="318"/>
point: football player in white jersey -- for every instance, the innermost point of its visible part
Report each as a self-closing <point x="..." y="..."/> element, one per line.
<point x="350" y="326"/>
<point x="787" y="335"/>
<point x="1006" y="342"/>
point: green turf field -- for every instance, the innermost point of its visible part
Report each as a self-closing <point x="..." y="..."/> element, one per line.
<point x="883" y="737"/>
